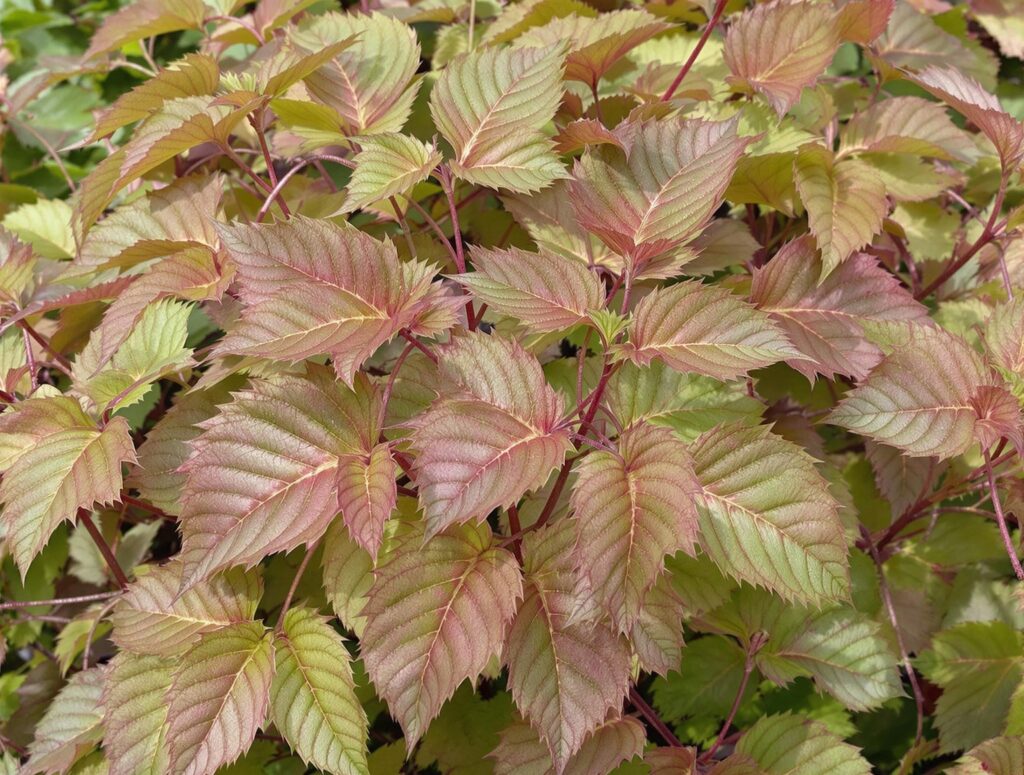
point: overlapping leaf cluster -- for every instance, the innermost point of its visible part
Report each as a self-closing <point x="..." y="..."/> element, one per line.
<point x="549" y="387"/>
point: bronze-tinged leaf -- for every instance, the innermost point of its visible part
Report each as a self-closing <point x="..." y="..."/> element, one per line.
<point x="631" y="509"/>
<point x="831" y="322"/>
<point x="565" y="677"/>
<point x="311" y="287"/>
<point x="437" y="613"/>
<point x="143" y="19"/>
<point x="521" y="752"/>
<point x="367" y="495"/>
<point x="658" y="196"/>
<point x="262" y="474"/>
<point x="704" y="329"/>
<point x="489" y="440"/>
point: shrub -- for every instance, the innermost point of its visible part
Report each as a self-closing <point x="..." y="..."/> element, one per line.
<point x="394" y="388"/>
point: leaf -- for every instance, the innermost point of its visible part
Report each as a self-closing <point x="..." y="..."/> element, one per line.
<point x="388" y="165"/>
<point x="493" y="437"/>
<point x="908" y="125"/>
<point x="657" y="634"/>
<point x="844" y="651"/>
<point x="784" y="743"/>
<point x="845" y="203"/>
<point x="66" y="463"/>
<point x="998" y="756"/>
<point x="564" y="677"/>
<point x="144" y="19"/>
<point x="347" y="574"/>
<point x="466" y="730"/>
<point x="44" y="224"/>
<point x="705" y="329"/>
<point x="706" y="682"/>
<point x="595" y="43"/>
<point x="966" y="95"/>
<point x="546" y="292"/>
<point x="312" y="287"/>
<point x="176" y="127"/>
<point x="521" y="751"/>
<point x="779" y="48"/>
<point x="830" y="322"/>
<point x="631" y="509"/>
<point x="689" y="404"/>
<point x="367" y="494"/>
<point x="368" y="84"/>
<point x="659" y="195"/>
<point x="978" y="665"/>
<point x="153" y="619"/>
<point x="901" y="479"/>
<point x="70" y="727"/>
<point x="491" y="106"/>
<point x="919" y="398"/>
<point x="767" y="516"/>
<point x="517" y="19"/>
<point x="437" y="613"/>
<point x="313" y="696"/>
<point x="135" y="714"/>
<point x="194" y="75"/>
<point x="1004" y="336"/>
<point x="262" y="475"/>
<point x="154" y="347"/>
<point x="174" y="218"/>
<point x="218" y="698"/>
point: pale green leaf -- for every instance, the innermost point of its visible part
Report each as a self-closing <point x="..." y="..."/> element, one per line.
<point x="388" y="165"/>
<point x="71" y="726"/>
<point x="135" y="719"/>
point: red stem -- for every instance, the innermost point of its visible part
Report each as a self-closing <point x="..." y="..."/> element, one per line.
<point x="1004" y="530"/>
<point x="652" y="717"/>
<point x="104" y="547"/>
<point x="712" y="23"/>
<point x="755" y="645"/>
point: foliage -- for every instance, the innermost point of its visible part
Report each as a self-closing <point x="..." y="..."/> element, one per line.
<point x="558" y="386"/>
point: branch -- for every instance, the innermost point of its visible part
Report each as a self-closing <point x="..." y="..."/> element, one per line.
<point x="310" y="549"/>
<point x="17" y="604"/>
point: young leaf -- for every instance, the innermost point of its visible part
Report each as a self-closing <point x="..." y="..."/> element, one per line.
<point x="347" y="574"/>
<point x="219" y="697"/>
<point x="135" y="714"/>
<point x="262" y="475"/>
<point x="565" y="677"/>
<point x="908" y="125"/>
<point x="845" y="202"/>
<point x="152" y="618"/>
<point x="71" y="725"/>
<point x="388" y="165"/>
<point x="919" y="398"/>
<point x="767" y="516"/>
<point x="311" y="287"/>
<point x="544" y="291"/>
<point x="437" y="613"/>
<point x="660" y="194"/>
<point x="66" y="464"/>
<point x="631" y="509"/>
<point x="491" y="106"/>
<point x="827" y="322"/>
<point x="495" y="436"/>
<point x="705" y="329"/>
<point x="144" y="19"/>
<point x="313" y="697"/>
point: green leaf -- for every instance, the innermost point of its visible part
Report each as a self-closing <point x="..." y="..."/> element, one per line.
<point x="71" y="726"/>
<point x="998" y="756"/>
<point x="135" y="720"/>
<point x="219" y="698"/>
<point x="388" y="165"/>
<point x="785" y="744"/>
<point x="313" y="698"/>
<point x="143" y="19"/>
<point x="767" y="516"/>
<point x="844" y="199"/>
<point x="491" y="106"/>
<point x="45" y="225"/>
<point x="979" y="666"/>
